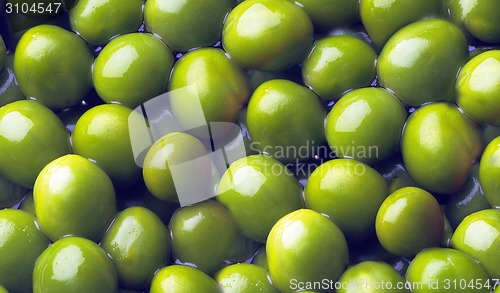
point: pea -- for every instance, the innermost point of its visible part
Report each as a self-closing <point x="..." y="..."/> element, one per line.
<point x="40" y="72"/>
<point x="479" y="18"/>
<point x="127" y="85"/>
<point x="10" y="193"/>
<point x="138" y="243"/>
<point x="21" y="245"/>
<point x="244" y="278"/>
<point x="327" y="14"/>
<point x="178" y="278"/>
<point x="25" y="144"/>
<point x="90" y="19"/>
<point x="185" y="24"/>
<point x="408" y="221"/>
<point x="74" y="264"/>
<point x="9" y="90"/>
<point x="28" y="204"/>
<point x="73" y="196"/>
<point x="282" y="26"/>
<point x="489" y="171"/>
<point x="260" y="259"/>
<point x="258" y="191"/>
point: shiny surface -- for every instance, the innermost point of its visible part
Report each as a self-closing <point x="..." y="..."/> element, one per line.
<point x="365" y="124"/>
<point x="425" y="55"/>
<point x="74" y="264"/>
<point x="307" y="247"/>
<point x="172" y="150"/>
<point x="382" y="18"/>
<point x="21" y="242"/>
<point x="479" y="18"/>
<point x="489" y="172"/>
<point x="478" y="88"/>
<point x="131" y="69"/>
<point x="280" y="39"/>
<point x="371" y="272"/>
<point x="139" y="244"/>
<point x="101" y="134"/>
<point x="441" y="134"/>
<point x="219" y="85"/>
<point x="283" y="117"/>
<point x="25" y="144"/>
<point x="73" y="196"/>
<point x="42" y="75"/>
<point x="203" y="234"/>
<point x="185" y="24"/>
<point x="180" y="279"/>
<point x="408" y="221"/>
<point x="245" y="278"/>
<point x="258" y="191"/>
<point x="479" y="236"/>
<point x="337" y="64"/>
<point x="91" y="19"/>
<point x="338" y="188"/>
<point x="443" y="265"/>
<point x="328" y="14"/>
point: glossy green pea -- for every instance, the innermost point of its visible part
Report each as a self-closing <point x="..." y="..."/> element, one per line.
<point x="73" y="196"/>
<point x="438" y="145"/>
<point x="9" y="90"/>
<point x="285" y="120"/>
<point x="179" y="279"/>
<point x="25" y="144"/>
<point x="339" y="187"/>
<point x="22" y="243"/>
<point x="337" y="64"/>
<point x="328" y="14"/>
<point x="365" y="124"/>
<point x="172" y="150"/>
<point x="408" y="221"/>
<point x="305" y="246"/>
<point x="42" y="75"/>
<point x="74" y="264"/>
<point x="281" y="25"/>
<point x="119" y="72"/>
<point x="479" y="18"/>
<point x="203" y="234"/>
<point x="243" y="249"/>
<point x="91" y="19"/>
<point x="478" y="86"/>
<point x="186" y="24"/>
<point x="468" y="200"/>
<point x="10" y="193"/>
<point x="244" y="278"/>
<point x="258" y="191"/>
<point x="489" y="172"/>
<point x="139" y="244"/>
<point x="28" y="204"/>
<point x="102" y="135"/>
<point x="382" y="19"/>
<point x="368" y="277"/>
<point x="425" y="55"/>
<point x="445" y="269"/>
<point x="215" y="82"/>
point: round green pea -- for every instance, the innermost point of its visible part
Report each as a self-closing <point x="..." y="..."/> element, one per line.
<point x="91" y="19"/>
<point x="366" y="124"/>
<point x="281" y="25"/>
<point x="26" y="144"/>
<point x="479" y="18"/>
<point x="478" y="86"/>
<point x="21" y="244"/>
<point x="73" y="196"/>
<point x="132" y="69"/>
<point x="329" y="14"/>
<point x="53" y="66"/>
<point x="180" y="278"/>
<point x="258" y="190"/>
<point x="338" y="64"/>
<point x="245" y="278"/>
<point x="186" y="24"/>
<point x="138" y="244"/>
<point x="338" y="188"/>
<point x="489" y="172"/>
<point x="74" y="264"/>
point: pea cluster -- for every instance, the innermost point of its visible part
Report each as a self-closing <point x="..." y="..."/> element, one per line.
<point x="250" y="146"/>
